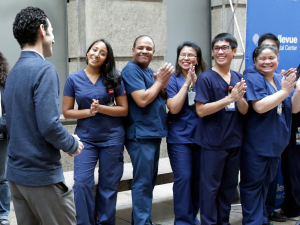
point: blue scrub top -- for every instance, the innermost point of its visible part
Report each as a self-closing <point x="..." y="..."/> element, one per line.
<point x="223" y="129"/>
<point x="100" y="127"/>
<point x="181" y="126"/>
<point x="266" y="134"/>
<point x="147" y="122"/>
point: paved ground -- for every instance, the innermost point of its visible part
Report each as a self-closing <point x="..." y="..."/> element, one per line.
<point x="162" y="210"/>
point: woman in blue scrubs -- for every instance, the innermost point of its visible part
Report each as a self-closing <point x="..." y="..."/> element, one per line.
<point x="272" y="100"/>
<point x="182" y="121"/>
<point x="99" y="126"/>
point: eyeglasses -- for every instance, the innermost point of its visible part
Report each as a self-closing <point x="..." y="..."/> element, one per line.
<point x="190" y="56"/>
<point x="223" y="47"/>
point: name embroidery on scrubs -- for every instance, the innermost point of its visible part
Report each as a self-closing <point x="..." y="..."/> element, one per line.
<point x="298" y="137"/>
<point x="191" y="95"/>
<point x="279" y="109"/>
<point x="231" y="106"/>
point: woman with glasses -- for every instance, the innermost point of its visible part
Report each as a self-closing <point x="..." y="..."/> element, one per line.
<point x="272" y="100"/>
<point x="182" y="121"/>
<point x="99" y="126"/>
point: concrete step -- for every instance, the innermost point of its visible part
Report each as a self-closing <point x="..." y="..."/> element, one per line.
<point x="165" y="175"/>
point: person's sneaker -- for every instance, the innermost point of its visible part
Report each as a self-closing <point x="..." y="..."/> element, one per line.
<point x="4" y="222"/>
<point x="295" y="218"/>
<point x="278" y="217"/>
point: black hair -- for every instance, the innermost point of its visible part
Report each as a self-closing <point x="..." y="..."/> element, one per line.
<point x="270" y="36"/>
<point x="27" y="24"/>
<point x="260" y="48"/>
<point x="134" y="43"/>
<point x="200" y="66"/>
<point x="4" y="69"/>
<point x="111" y="78"/>
<point x="225" y="37"/>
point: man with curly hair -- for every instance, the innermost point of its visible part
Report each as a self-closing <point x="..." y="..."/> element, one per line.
<point x="31" y="97"/>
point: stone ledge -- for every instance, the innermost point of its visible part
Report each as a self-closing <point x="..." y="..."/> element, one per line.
<point x="164" y="176"/>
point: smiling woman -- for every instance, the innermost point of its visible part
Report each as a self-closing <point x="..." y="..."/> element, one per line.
<point x="272" y="99"/>
<point x="182" y="121"/>
<point x="99" y="127"/>
<point x="266" y="60"/>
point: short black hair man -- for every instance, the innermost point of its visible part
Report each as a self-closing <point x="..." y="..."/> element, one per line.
<point x="146" y="123"/>
<point x="34" y="170"/>
<point x="220" y="103"/>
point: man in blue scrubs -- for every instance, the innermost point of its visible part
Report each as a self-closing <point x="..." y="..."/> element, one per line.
<point x="220" y="103"/>
<point x="145" y="124"/>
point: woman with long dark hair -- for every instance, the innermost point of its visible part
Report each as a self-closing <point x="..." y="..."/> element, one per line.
<point x="182" y="121"/>
<point x="4" y="188"/>
<point x="101" y="98"/>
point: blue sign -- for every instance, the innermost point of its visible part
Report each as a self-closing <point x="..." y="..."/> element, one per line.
<point x="279" y="17"/>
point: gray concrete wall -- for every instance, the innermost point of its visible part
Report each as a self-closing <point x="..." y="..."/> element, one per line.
<point x="119" y="22"/>
<point x="56" y="11"/>
<point x="188" y="20"/>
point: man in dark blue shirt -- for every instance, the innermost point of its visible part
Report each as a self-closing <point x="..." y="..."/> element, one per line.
<point x="146" y="123"/>
<point x="34" y="170"/>
<point x="220" y="104"/>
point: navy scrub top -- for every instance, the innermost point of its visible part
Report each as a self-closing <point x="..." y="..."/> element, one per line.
<point x="223" y="129"/>
<point x="100" y="127"/>
<point x="266" y="134"/>
<point x="181" y="126"/>
<point x="147" y="122"/>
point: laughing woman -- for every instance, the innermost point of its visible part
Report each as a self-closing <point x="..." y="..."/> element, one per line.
<point x="182" y="121"/>
<point x="272" y="100"/>
<point x="100" y="128"/>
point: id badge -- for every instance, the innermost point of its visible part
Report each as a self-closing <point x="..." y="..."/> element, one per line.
<point x="279" y="109"/>
<point x="298" y="137"/>
<point x="191" y="97"/>
<point x="231" y="106"/>
<point x="112" y="102"/>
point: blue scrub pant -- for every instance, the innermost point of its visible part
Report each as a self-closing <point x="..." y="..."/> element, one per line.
<point x="4" y="187"/>
<point x="218" y="182"/>
<point x="290" y="165"/>
<point x="271" y="196"/>
<point x="185" y="162"/>
<point x="110" y="172"/>
<point x="257" y="173"/>
<point x="144" y="154"/>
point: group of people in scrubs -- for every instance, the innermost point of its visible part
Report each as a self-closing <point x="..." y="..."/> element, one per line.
<point x="219" y="122"/>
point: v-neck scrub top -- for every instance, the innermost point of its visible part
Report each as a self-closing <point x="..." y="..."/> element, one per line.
<point x="150" y="121"/>
<point x="223" y="129"/>
<point x="181" y="126"/>
<point x="266" y="134"/>
<point x="100" y="127"/>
